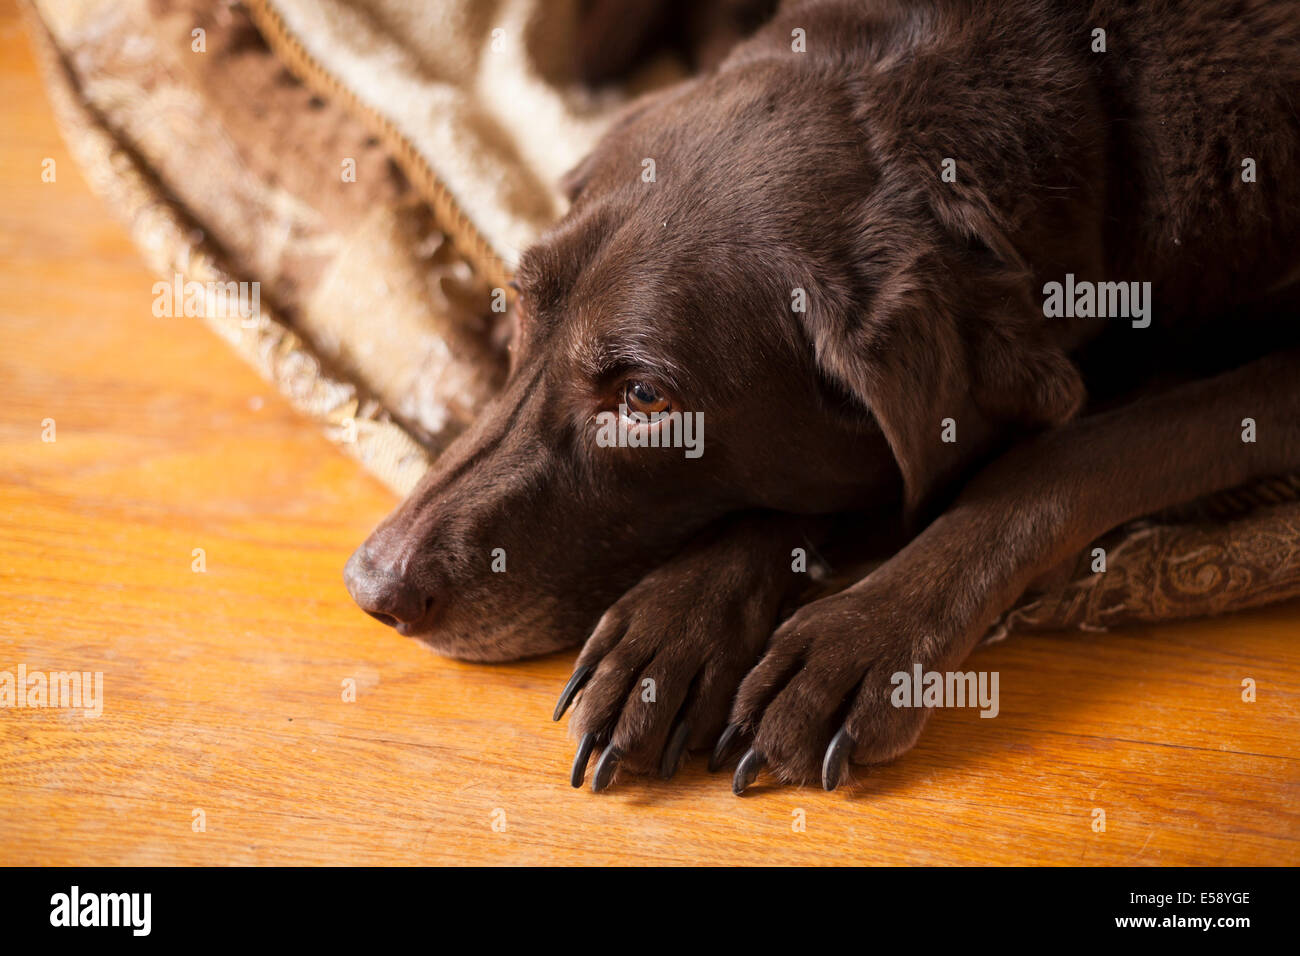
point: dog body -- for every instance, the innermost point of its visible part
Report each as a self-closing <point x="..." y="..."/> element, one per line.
<point x="880" y="248"/>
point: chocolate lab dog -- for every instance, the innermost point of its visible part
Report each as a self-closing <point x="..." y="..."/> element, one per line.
<point x="893" y="254"/>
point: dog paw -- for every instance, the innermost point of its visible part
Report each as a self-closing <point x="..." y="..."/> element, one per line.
<point x="658" y="675"/>
<point x="822" y="694"/>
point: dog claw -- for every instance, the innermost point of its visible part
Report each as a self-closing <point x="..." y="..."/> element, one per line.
<point x="746" y="771"/>
<point x="841" y="747"/>
<point x="585" y="746"/>
<point x="574" y="685"/>
<point x="723" y="749"/>
<point x="605" y="767"/>
<point x="673" y="752"/>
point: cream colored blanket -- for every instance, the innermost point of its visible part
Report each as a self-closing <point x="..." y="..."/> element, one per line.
<point x="479" y="92"/>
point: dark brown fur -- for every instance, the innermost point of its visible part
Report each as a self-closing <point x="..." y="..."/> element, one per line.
<point x="821" y="171"/>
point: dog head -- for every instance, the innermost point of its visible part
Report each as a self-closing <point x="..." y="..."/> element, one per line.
<point x="743" y="308"/>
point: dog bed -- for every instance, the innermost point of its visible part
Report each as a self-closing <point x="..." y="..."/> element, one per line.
<point x="376" y="167"/>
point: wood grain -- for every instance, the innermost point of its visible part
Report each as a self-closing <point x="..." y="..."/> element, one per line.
<point x="223" y="689"/>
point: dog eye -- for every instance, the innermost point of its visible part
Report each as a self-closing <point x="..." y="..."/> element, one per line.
<point x="645" y="398"/>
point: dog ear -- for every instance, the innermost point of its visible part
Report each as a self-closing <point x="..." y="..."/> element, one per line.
<point x="942" y="341"/>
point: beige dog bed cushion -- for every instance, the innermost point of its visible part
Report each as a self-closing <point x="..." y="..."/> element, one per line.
<point x="377" y="166"/>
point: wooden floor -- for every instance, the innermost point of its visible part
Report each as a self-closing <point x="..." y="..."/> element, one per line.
<point x="223" y="690"/>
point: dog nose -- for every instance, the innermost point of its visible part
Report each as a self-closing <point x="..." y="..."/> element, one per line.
<point x="384" y="593"/>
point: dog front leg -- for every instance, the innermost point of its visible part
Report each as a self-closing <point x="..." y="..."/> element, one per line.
<point x="659" y="673"/>
<point x="830" y="673"/>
